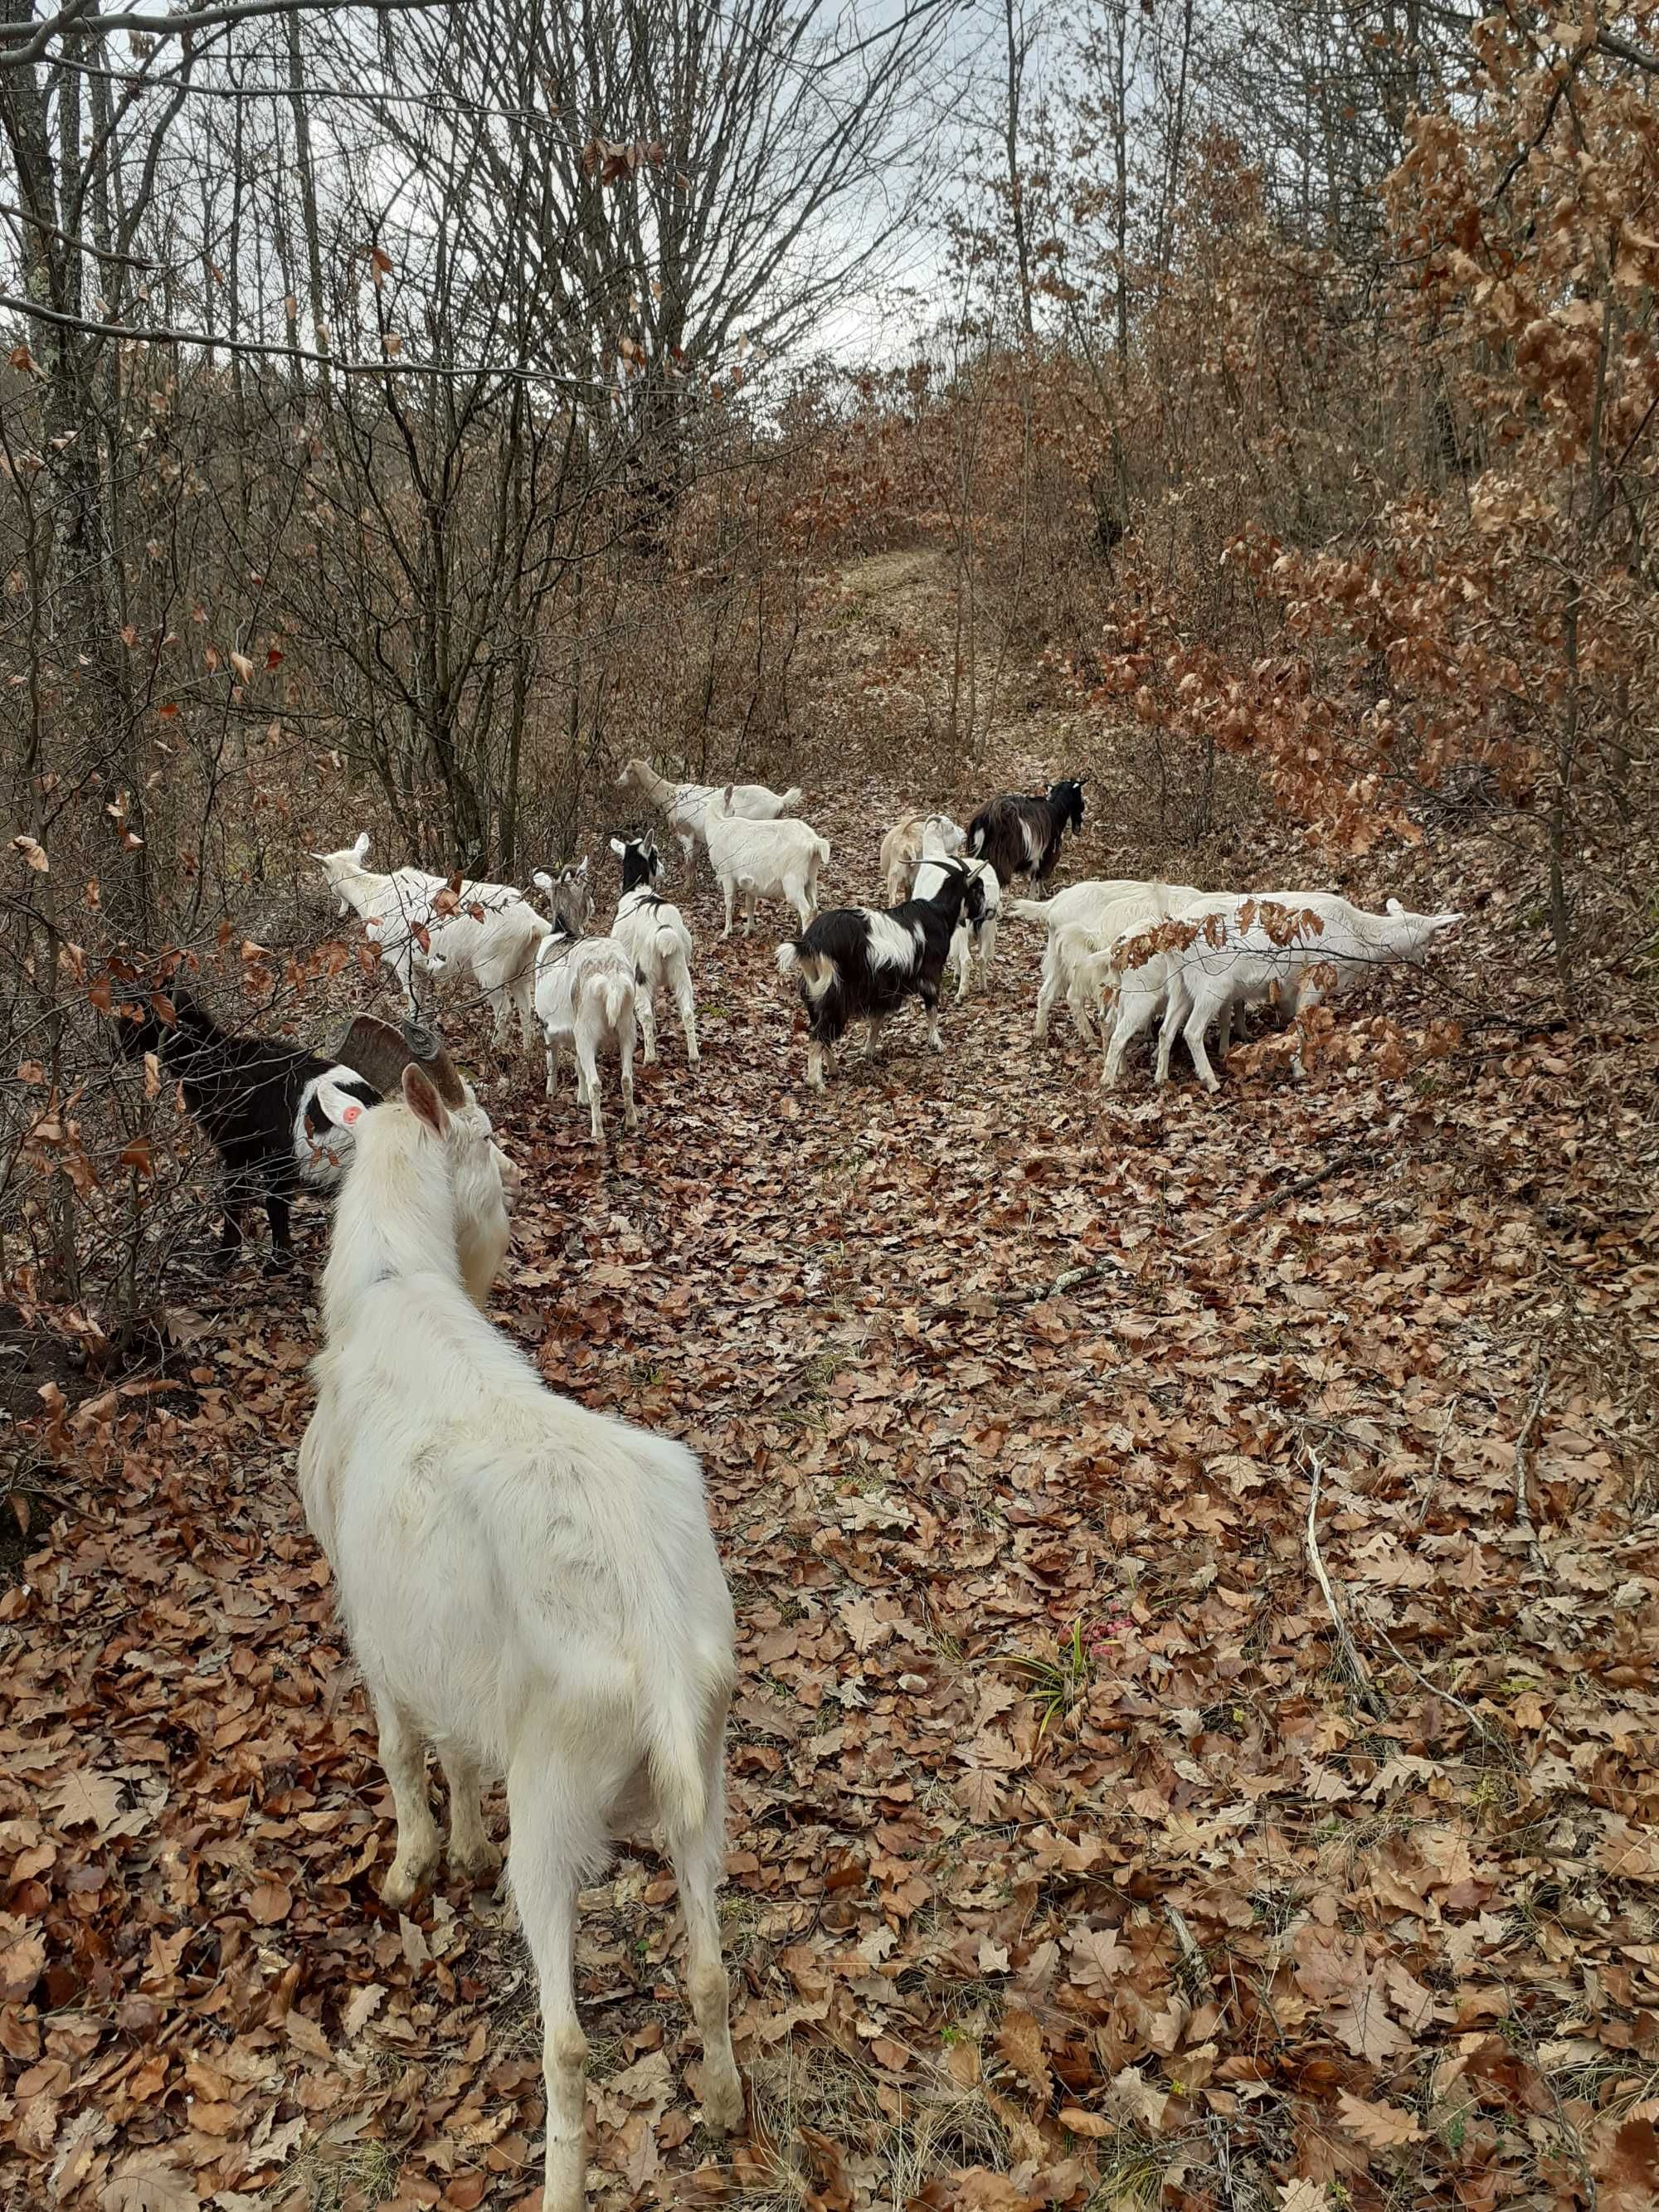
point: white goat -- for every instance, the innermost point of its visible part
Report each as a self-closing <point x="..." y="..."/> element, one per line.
<point x="974" y="933"/>
<point x="762" y="859"/>
<point x="1070" y="965"/>
<point x="683" y="806"/>
<point x="654" y="933"/>
<point x="1306" y="944"/>
<point x="588" y="999"/>
<point x="530" y="1587"/>
<point x="902" y="850"/>
<point x="423" y="926"/>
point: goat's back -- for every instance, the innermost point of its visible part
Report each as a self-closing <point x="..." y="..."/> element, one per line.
<point x="501" y="1552"/>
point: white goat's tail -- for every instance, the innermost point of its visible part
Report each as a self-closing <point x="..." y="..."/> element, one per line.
<point x="791" y="799"/>
<point x="676" y="968"/>
<point x="789" y="959"/>
<point x="1030" y="909"/>
<point x="617" y="998"/>
<point x="676" y="1729"/>
<point x="823" y="851"/>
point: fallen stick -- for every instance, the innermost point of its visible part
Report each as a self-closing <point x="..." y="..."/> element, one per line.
<point x="1299" y="1188"/>
<point x="1535" y="1407"/>
<point x="1369" y="1696"/>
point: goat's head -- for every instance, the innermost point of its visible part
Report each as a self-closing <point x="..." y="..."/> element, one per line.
<point x="642" y="863"/>
<point x="635" y="776"/>
<point x="941" y="836"/>
<point x="570" y="895"/>
<point x="1411" y="935"/>
<point x="342" y="863"/>
<point x="1066" y="800"/>
<point x="484" y="1183"/>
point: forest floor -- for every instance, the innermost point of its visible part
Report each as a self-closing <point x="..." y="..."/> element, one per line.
<point x="1197" y="1594"/>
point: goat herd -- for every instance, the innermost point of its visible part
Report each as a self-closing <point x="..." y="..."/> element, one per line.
<point x="530" y="1588"/>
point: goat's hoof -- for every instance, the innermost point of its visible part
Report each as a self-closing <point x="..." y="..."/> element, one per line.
<point x="723" y="2109"/>
<point x="403" y="1883"/>
<point x="279" y="1261"/>
<point x="481" y="1863"/>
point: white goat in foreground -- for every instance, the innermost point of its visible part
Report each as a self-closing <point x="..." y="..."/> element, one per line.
<point x="531" y="1586"/>
<point x="902" y="851"/>
<point x="653" y="931"/>
<point x="423" y="926"/>
<point x="684" y="805"/>
<point x="762" y="859"/>
<point x="587" y="1001"/>
<point x="975" y="932"/>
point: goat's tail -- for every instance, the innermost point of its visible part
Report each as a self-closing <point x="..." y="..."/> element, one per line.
<point x="1030" y="909"/>
<point x="815" y="971"/>
<point x="616" y="995"/>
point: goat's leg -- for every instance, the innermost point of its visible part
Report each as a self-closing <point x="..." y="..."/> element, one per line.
<point x="471" y="1854"/>
<point x="815" y="1059"/>
<point x="1175" y="1013"/>
<point x="697" y="1867"/>
<point x="1197" y="1022"/>
<point x="988" y="946"/>
<point x="751" y="897"/>
<point x="547" y="1864"/>
<point x="630" y="1118"/>
<point x="930" y="1000"/>
<point x="1047" y="992"/>
<point x="686" y="999"/>
<point x="501" y="1005"/>
<point x="1131" y="1020"/>
<point x="279" y="1214"/>
<point x="647" y="1013"/>
<point x="402" y="1755"/>
<point x="728" y="885"/>
<point x="523" y="998"/>
<point x="552" y="1071"/>
<point x="587" y="1086"/>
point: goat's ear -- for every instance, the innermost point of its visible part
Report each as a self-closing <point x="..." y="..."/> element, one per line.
<point x="542" y="880"/>
<point x="580" y="871"/>
<point x="361" y="845"/>
<point x="421" y="1096"/>
<point x="1394" y="906"/>
<point x="618" y="847"/>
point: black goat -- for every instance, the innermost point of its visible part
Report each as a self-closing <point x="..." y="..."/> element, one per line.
<point x="860" y="962"/>
<point x="279" y="1119"/>
<point x="1021" y="836"/>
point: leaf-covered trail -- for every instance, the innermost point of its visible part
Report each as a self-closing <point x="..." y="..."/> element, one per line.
<point x="1067" y="1862"/>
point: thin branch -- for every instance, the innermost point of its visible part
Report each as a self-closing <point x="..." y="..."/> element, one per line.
<point x="1299" y="1188"/>
<point x="391" y="367"/>
<point x="1356" y="1665"/>
<point x="36" y="37"/>
<point x="80" y="245"/>
<point x="1522" y="1509"/>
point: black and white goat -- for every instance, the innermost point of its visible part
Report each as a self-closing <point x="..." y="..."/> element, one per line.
<point x="280" y="1119"/>
<point x="653" y="929"/>
<point x="1020" y="836"/>
<point x="860" y="963"/>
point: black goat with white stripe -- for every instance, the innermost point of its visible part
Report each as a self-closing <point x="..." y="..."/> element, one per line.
<point x="860" y="963"/>
<point x="1020" y="836"/>
<point x="279" y="1119"/>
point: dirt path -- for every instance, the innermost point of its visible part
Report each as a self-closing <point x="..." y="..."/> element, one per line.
<point x="1069" y="1861"/>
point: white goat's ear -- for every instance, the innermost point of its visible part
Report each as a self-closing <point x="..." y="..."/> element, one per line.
<point x="580" y="871"/>
<point x="361" y="846"/>
<point x="1447" y="921"/>
<point x="343" y="1107"/>
<point x="1394" y="906"/>
<point x="618" y="847"/>
<point x="542" y="880"/>
<point x="421" y="1096"/>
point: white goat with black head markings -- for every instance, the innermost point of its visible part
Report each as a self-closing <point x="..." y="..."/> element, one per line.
<point x="975" y="938"/>
<point x="858" y="963"/>
<point x="653" y="931"/>
<point x="530" y="1587"/>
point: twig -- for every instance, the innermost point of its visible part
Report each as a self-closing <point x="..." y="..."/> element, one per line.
<point x="1522" y="1509"/>
<point x="1483" y="1730"/>
<point x="1356" y="1665"/>
<point x="1299" y="1188"/>
<point x="1200" y="1984"/>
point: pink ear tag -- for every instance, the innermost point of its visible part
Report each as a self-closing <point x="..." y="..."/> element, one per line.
<point x="352" y="1114"/>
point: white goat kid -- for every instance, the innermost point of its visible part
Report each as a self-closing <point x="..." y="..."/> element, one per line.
<point x="586" y="1002"/>
<point x="424" y="926"/>
<point x="1075" y="959"/>
<point x="902" y="850"/>
<point x="683" y="806"/>
<point x="654" y="933"/>
<point x="762" y="859"/>
<point x="530" y="1587"/>
<point x="975" y="936"/>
